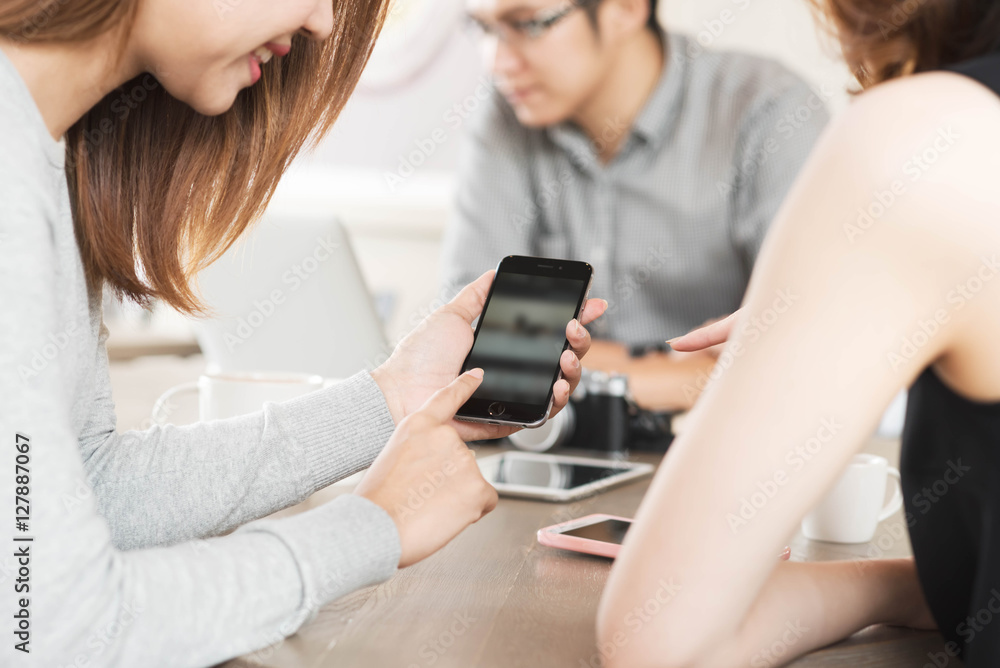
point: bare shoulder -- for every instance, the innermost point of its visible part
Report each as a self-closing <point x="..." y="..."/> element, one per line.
<point x="908" y="175"/>
<point x="934" y="136"/>
<point x="901" y="119"/>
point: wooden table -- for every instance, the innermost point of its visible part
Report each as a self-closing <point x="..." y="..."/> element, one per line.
<point x="495" y="598"/>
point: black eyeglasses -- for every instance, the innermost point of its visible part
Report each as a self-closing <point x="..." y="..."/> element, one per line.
<point x="516" y="31"/>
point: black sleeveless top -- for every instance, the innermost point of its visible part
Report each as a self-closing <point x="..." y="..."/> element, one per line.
<point x="950" y="467"/>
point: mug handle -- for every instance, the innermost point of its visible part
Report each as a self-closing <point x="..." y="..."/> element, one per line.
<point x="159" y="415"/>
<point x="896" y="502"/>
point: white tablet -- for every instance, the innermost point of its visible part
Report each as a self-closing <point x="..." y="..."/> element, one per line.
<point x="556" y="477"/>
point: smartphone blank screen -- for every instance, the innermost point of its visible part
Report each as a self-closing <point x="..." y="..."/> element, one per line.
<point x="522" y="336"/>
<point x="607" y="531"/>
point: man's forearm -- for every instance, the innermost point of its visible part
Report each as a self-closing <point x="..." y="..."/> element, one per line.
<point x="658" y="381"/>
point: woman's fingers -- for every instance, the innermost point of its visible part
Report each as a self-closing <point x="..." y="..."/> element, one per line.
<point x="560" y="394"/>
<point x="443" y="405"/>
<point x="469" y="302"/>
<point x="592" y="310"/>
<point x="705" y="337"/>
<point x="578" y="337"/>
<point x="570" y="365"/>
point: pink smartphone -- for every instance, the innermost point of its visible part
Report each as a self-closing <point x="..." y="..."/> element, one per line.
<point x="601" y="535"/>
<point x="594" y="534"/>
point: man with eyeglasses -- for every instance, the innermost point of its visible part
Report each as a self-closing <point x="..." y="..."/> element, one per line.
<point x="655" y="159"/>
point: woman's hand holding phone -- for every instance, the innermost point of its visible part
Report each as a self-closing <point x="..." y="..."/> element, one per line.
<point x="432" y="354"/>
<point x="427" y="479"/>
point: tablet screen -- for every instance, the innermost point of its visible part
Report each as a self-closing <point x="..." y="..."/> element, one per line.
<point x="550" y="475"/>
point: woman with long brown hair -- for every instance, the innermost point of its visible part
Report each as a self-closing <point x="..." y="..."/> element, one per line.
<point x="138" y="140"/>
<point x="890" y="244"/>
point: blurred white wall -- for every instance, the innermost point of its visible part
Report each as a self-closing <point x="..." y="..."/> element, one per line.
<point x="424" y="64"/>
<point x="782" y="29"/>
<point x="390" y="158"/>
<point x="382" y="125"/>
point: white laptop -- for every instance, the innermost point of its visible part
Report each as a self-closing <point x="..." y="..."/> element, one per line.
<point x="289" y="296"/>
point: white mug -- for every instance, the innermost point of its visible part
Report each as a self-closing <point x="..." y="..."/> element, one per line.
<point x="850" y="513"/>
<point x="556" y="431"/>
<point x="225" y="395"/>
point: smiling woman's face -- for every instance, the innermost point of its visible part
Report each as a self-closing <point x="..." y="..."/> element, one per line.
<point x="204" y="52"/>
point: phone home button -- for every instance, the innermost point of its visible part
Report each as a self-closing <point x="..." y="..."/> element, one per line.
<point x="497" y="409"/>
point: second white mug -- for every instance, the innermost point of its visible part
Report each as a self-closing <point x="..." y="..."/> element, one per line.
<point x="852" y="510"/>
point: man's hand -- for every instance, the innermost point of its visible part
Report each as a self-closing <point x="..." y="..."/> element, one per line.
<point x="431" y="356"/>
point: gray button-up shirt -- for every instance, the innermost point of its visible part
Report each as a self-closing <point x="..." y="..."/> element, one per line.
<point x="673" y="224"/>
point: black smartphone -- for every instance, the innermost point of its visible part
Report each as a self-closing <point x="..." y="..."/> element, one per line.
<point x="521" y="335"/>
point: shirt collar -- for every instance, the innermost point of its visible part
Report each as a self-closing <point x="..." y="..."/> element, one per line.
<point x="655" y="119"/>
<point x="662" y="109"/>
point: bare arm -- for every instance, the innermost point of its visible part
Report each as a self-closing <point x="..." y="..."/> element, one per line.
<point x="657" y="381"/>
<point x="813" y="360"/>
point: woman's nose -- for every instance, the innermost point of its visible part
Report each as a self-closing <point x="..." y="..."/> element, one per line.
<point x="319" y="24"/>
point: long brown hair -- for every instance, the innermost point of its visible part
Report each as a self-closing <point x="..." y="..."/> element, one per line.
<point x="885" y="39"/>
<point x="159" y="191"/>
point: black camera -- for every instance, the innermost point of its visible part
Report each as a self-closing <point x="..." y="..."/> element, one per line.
<point x="601" y="417"/>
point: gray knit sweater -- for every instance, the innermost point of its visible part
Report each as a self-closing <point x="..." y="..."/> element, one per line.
<point x="123" y="569"/>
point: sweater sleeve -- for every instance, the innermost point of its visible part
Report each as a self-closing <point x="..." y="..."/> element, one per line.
<point x="150" y="485"/>
<point x="86" y="601"/>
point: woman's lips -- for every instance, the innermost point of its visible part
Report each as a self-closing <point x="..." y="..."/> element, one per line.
<point x="262" y="55"/>
<point x="278" y="49"/>
<point x="254" y="69"/>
